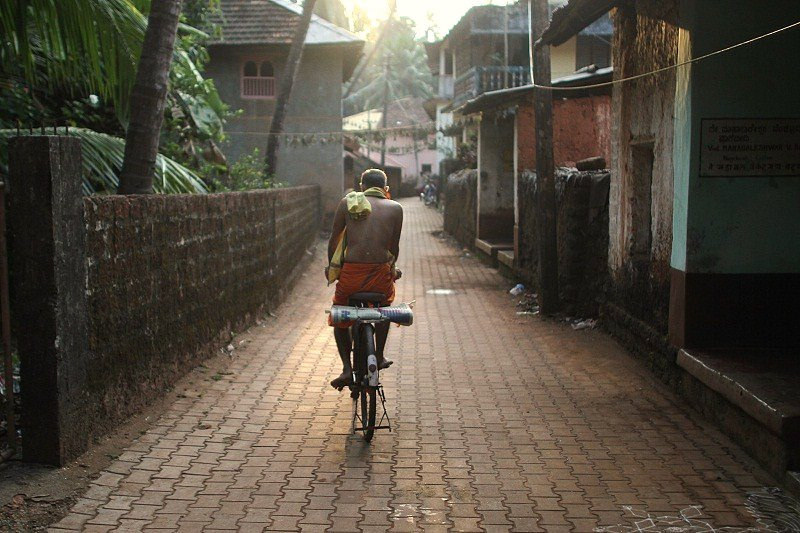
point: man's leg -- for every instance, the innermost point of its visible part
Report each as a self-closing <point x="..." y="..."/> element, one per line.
<point x="344" y="342"/>
<point x="381" y="333"/>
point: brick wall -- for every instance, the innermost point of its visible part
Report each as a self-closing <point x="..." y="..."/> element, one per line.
<point x="460" y="206"/>
<point x="582" y="199"/>
<point x="169" y="277"/>
<point x="581" y="129"/>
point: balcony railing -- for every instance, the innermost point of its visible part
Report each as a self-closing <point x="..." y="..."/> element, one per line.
<point x="479" y="80"/>
<point x="258" y="87"/>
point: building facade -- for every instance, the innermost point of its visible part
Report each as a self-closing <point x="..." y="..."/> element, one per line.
<point x="488" y="50"/>
<point x="246" y="62"/>
<point x="704" y="225"/>
<point x="411" y="144"/>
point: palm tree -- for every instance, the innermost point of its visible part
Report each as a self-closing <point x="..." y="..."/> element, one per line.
<point x="287" y="82"/>
<point x="408" y="73"/>
<point x="148" y="97"/>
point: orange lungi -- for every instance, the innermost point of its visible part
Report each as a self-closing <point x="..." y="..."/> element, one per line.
<point x="363" y="277"/>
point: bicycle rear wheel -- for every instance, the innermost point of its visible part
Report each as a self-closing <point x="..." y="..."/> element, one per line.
<point x="368" y="397"/>
<point x="368" y="411"/>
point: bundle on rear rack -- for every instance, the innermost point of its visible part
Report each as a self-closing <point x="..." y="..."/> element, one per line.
<point x="401" y="314"/>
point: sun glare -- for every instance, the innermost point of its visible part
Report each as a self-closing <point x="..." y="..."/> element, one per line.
<point x="436" y="15"/>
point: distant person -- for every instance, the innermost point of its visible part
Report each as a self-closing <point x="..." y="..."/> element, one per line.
<point x="366" y="229"/>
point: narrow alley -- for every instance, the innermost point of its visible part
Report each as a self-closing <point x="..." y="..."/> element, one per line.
<point x="501" y="422"/>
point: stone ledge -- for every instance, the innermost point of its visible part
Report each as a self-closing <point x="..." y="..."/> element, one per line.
<point x="763" y="385"/>
<point x="491" y="247"/>
<point x="506" y="257"/>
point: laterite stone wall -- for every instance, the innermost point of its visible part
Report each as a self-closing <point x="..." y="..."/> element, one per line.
<point x="170" y="276"/>
<point x="460" y="206"/>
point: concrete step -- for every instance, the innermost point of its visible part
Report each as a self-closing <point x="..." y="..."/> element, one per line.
<point x="759" y="384"/>
<point x="754" y="396"/>
<point x="506" y="257"/>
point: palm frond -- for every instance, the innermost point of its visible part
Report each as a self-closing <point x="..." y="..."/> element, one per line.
<point x="102" y="161"/>
<point x="64" y="43"/>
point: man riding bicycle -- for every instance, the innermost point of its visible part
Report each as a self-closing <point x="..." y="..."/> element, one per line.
<point x="363" y="249"/>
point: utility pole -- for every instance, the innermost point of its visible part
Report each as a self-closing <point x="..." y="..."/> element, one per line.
<point x="505" y="46"/>
<point x="385" y="109"/>
<point x="546" y="189"/>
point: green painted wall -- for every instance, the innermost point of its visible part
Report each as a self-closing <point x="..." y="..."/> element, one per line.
<point x="735" y="225"/>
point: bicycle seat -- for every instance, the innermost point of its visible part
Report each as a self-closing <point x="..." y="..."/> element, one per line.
<point x="376" y="298"/>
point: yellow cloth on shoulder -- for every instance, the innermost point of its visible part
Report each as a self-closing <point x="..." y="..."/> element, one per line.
<point x="358" y="207"/>
<point x="357" y="204"/>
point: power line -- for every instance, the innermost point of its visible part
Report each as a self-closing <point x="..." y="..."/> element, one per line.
<point x="340" y="132"/>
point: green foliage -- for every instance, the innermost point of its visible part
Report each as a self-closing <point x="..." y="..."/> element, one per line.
<point x="88" y="46"/>
<point x="195" y="114"/>
<point x="102" y="162"/>
<point x="408" y="73"/>
<point x="74" y="62"/>
<point x="245" y="174"/>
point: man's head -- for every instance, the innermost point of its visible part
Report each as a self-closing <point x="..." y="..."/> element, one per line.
<point x="373" y="177"/>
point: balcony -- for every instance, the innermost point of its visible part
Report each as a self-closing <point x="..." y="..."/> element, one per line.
<point x="479" y="80"/>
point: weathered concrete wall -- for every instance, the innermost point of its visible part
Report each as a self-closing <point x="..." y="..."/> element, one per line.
<point x="315" y="106"/>
<point x="496" y="178"/>
<point x="169" y="277"/>
<point x="641" y="193"/>
<point x="461" y="205"/>
<point x="582" y="218"/>
<point x="736" y="247"/>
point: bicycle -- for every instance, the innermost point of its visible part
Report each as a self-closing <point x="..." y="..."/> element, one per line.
<point x="364" y="310"/>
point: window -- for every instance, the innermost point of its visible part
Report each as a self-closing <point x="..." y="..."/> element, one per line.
<point x="258" y="79"/>
<point x="592" y="50"/>
<point x="448" y="63"/>
<point x="426" y="168"/>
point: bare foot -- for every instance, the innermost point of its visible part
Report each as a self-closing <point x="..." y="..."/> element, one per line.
<point x="342" y="381"/>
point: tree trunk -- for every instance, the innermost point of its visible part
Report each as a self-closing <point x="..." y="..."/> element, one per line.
<point x="148" y="97"/>
<point x="287" y="82"/>
<point x="545" y="179"/>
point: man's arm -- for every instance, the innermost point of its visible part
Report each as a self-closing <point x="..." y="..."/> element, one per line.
<point x="394" y="245"/>
<point x="339" y="222"/>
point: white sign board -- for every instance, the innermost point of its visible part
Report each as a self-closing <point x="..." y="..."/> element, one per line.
<point x="744" y="147"/>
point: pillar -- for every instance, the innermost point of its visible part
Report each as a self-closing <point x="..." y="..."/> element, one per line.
<point x="48" y="294"/>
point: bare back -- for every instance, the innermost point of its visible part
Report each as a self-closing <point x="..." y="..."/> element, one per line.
<point x="374" y="238"/>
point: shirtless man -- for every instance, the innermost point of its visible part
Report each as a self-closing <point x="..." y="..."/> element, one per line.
<point x="373" y="245"/>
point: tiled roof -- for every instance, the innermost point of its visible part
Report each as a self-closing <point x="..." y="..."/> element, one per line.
<point x="273" y="22"/>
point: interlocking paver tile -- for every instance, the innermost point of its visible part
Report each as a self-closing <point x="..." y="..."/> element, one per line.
<point x="500" y="423"/>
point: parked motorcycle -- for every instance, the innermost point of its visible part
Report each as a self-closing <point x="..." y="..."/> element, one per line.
<point x="429" y="194"/>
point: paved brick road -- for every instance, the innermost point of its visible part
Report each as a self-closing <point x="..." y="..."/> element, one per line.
<point x="503" y="422"/>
